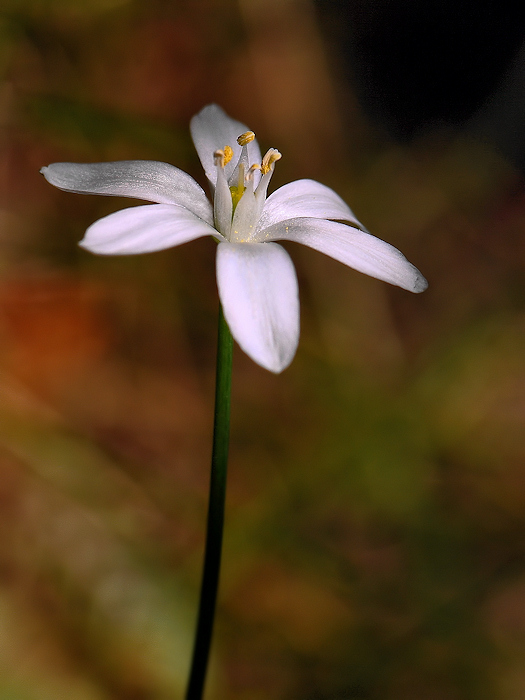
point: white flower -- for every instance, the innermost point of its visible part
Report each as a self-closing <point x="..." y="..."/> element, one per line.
<point x="255" y="276"/>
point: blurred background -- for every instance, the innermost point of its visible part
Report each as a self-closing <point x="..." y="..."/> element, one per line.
<point x="375" y="535"/>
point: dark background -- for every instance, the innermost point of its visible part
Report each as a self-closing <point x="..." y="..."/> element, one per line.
<point x="423" y="66"/>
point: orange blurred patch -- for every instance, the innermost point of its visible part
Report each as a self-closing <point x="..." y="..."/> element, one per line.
<point x="305" y="613"/>
<point x="52" y="327"/>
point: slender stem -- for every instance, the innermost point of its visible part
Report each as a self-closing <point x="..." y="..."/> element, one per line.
<point x="212" y="554"/>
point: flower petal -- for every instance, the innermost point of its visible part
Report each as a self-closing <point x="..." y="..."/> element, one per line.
<point x="304" y="198"/>
<point x="212" y="129"/>
<point x="144" y="229"/>
<point x="355" y="248"/>
<point x="143" y="179"/>
<point x="259" y="293"/>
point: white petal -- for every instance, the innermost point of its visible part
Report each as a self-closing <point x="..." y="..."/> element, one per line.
<point x="305" y="198"/>
<point x="212" y="129"/>
<point x="144" y="229"/>
<point x="259" y="293"/>
<point x="143" y="179"/>
<point x="352" y="247"/>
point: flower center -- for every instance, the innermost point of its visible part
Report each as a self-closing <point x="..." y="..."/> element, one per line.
<point x="237" y="190"/>
<point x="239" y="200"/>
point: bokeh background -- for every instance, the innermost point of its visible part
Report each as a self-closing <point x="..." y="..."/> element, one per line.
<point x="375" y="536"/>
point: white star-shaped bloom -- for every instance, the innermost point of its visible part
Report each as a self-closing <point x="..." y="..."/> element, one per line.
<point x="255" y="276"/>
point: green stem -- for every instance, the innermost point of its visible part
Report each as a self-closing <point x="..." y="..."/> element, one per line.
<point x="212" y="554"/>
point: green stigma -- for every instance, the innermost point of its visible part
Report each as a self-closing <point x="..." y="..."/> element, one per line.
<point x="237" y="192"/>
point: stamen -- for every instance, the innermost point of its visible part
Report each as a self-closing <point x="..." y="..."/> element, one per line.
<point x="240" y="180"/>
<point x="269" y="159"/>
<point x="245" y="138"/>
<point x="251" y="171"/>
<point x="223" y="156"/>
<point x="219" y="158"/>
<point x="228" y="152"/>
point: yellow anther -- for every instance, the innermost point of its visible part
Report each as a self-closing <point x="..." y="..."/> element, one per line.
<point x="228" y="154"/>
<point x="223" y="156"/>
<point x="245" y="138"/>
<point x="269" y="159"/>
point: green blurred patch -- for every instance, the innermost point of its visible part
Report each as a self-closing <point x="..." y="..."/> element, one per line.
<point x="82" y="127"/>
